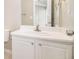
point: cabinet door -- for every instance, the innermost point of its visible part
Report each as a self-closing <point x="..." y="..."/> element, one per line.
<point x="48" y="50"/>
<point x="22" y="49"/>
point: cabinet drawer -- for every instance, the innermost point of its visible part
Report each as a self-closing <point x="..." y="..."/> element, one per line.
<point x="22" y="39"/>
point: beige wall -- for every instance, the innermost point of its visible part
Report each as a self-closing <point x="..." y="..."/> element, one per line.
<point x="12" y="17"/>
<point x="27" y="8"/>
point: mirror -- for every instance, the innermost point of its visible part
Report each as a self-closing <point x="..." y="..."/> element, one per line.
<point x="36" y="12"/>
<point x="48" y="13"/>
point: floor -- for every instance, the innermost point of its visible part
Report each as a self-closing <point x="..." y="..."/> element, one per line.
<point x="8" y="50"/>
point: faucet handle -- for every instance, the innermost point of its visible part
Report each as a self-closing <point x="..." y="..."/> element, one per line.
<point x="37" y="28"/>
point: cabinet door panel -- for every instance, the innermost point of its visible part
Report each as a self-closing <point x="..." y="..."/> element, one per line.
<point x="22" y="50"/>
<point x="46" y="50"/>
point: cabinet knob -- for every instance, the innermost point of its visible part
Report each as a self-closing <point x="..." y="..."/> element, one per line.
<point x="40" y="44"/>
<point x="32" y="43"/>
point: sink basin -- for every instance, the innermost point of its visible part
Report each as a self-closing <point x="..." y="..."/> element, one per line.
<point x="32" y="32"/>
<point x="45" y="31"/>
<point x="44" y="28"/>
<point x="42" y="33"/>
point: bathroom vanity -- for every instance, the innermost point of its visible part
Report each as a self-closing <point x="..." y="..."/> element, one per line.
<point x="49" y="43"/>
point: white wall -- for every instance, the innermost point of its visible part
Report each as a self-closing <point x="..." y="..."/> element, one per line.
<point x="12" y="17"/>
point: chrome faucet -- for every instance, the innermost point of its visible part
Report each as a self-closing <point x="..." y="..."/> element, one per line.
<point x="37" y="28"/>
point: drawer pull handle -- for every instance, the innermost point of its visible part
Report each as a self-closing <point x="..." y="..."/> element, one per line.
<point x="32" y="43"/>
<point x="40" y="44"/>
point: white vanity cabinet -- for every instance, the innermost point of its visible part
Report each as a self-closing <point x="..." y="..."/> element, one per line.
<point x="30" y="48"/>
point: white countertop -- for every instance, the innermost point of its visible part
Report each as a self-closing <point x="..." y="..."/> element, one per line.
<point x="44" y="35"/>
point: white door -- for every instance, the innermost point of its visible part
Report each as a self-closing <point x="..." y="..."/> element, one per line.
<point x="22" y="49"/>
<point x="48" y="50"/>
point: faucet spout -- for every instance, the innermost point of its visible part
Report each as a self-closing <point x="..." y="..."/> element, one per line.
<point x="37" y="28"/>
